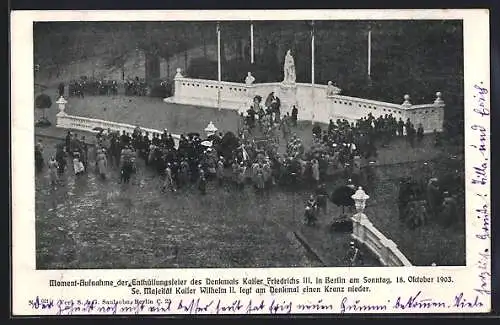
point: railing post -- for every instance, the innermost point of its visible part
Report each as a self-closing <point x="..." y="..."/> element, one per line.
<point x="406" y="102"/>
<point x="61" y="117"/>
<point x="439" y="101"/>
<point x="177" y="82"/>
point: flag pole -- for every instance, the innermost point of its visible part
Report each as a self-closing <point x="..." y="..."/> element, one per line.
<point x="369" y="53"/>
<point x="312" y="70"/>
<point x="251" y="43"/>
<point x="219" y="74"/>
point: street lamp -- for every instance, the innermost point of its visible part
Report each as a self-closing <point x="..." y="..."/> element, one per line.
<point x="62" y="105"/>
<point x="360" y="198"/>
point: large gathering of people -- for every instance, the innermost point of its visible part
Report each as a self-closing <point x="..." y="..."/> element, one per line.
<point x="252" y="156"/>
<point x="86" y="86"/>
<point x="92" y="87"/>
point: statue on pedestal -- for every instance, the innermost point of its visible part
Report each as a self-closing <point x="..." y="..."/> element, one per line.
<point x="249" y="79"/>
<point x="289" y="69"/>
<point x="331" y="89"/>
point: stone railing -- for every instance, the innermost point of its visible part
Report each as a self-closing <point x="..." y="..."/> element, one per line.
<point x="313" y="103"/>
<point x="385" y="249"/>
<point x="89" y="124"/>
<point x="210" y="93"/>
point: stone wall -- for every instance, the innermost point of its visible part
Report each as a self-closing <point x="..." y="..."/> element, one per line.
<point x="313" y="103"/>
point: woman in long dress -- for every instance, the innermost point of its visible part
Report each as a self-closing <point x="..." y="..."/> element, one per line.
<point x="53" y="168"/>
<point x="315" y="171"/>
<point x="102" y="163"/>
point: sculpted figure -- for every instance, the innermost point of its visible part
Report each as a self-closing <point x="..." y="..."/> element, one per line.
<point x="249" y="79"/>
<point x="289" y="69"/>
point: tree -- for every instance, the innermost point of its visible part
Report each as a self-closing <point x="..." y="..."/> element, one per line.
<point x="341" y="196"/>
<point x="43" y="102"/>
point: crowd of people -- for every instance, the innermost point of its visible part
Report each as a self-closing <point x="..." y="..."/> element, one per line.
<point x="86" y="86"/>
<point x="420" y="201"/>
<point x="136" y="87"/>
<point x="92" y="87"/>
<point x="252" y="156"/>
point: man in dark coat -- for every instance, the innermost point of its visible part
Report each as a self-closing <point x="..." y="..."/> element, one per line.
<point x="322" y="197"/>
<point x="420" y="133"/>
<point x="449" y="210"/>
<point x="61" y="89"/>
<point x="68" y="142"/>
<point x="295" y="113"/>
<point x="433" y="197"/>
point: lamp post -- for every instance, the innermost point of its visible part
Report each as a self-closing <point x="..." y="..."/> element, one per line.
<point x="62" y="105"/>
<point x="360" y="198"/>
<point x="219" y="69"/>
<point x="61" y="120"/>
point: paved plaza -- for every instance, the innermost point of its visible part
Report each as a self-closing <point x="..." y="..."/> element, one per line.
<point x="90" y="223"/>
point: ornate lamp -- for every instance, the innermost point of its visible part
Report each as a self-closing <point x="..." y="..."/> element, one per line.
<point x="360" y="198"/>
<point x="62" y="104"/>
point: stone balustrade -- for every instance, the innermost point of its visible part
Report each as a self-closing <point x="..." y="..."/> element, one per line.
<point x="89" y="124"/>
<point x="385" y="249"/>
<point x="314" y="103"/>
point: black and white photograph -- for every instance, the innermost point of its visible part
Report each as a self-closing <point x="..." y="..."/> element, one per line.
<point x="248" y="143"/>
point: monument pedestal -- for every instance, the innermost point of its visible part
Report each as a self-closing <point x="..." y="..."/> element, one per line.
<point x="288" y="97"/>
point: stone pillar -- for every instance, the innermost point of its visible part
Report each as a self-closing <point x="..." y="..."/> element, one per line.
<point x="61" y="102"/>
<point x="406" y="102"/>
<point x="439" y="101"/>
<point x="288" y="96"/>
<point x="439" y="117"/>
<point x="61" y="117"/>
<point x="406" y="105"/>
<point x="178" y="83"/>
<point x="359" y="219"/>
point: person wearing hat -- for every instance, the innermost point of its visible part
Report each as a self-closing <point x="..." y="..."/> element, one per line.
<point x="241" y="175"/>
<point x="84" y="150"/>
<point x="127" y="163"/>
<point x="67" y="141"/>
<point x="77" y="164"/>
<point x="101" y="162"/>
<point x="202" y="181"/>
<point x="353" y="257"/>
<point x="183" y="175"/>
<point x="315" y="171"/>
<point x="295" y="113"/>
<point x="310" y="211"/>
<point x="220" y="170"/>
<point x="449" y="209"/>
<point x="322" y="197"/>
<point x="53" y="167"/>
<point x="61" y="158"/>
<point x="433" y="197"/>
<point x="169" y="181"/>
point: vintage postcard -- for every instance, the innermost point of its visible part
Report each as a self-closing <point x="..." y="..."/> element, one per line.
<point x="250" y="162"/>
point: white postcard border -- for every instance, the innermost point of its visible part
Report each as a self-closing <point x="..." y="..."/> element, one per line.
<point x="29" y="283"/>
